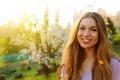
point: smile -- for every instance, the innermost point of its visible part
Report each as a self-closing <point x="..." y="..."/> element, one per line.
<point x="86" y="40"/>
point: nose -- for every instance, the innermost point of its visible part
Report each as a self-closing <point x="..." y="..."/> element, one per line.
<point x="86" y="33"/>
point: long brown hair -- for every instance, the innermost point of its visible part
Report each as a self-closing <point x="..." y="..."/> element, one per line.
<point x="73" y="55"/>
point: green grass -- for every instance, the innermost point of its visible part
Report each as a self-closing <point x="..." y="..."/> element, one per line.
<point x="52" y="76"/>
<point x="31" y="75"/>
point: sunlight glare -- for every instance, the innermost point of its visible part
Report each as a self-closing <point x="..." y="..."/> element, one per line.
<point x="11" y="9"/>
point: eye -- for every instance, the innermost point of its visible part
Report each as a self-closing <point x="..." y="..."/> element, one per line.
<point x="94" y="29"/>
<point x="81" y="28"/>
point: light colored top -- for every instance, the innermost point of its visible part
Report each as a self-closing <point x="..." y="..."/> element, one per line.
<point x="115" y="66"/>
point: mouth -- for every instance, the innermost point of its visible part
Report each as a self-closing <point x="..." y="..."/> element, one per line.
<point x="84" y="40"/>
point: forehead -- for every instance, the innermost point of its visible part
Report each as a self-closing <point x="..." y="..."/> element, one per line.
<point x="88" y="22"/>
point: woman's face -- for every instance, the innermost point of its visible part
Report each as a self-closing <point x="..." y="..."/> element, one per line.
<point x="88" y="33"/>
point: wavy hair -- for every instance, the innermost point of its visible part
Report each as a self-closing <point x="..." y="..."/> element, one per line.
<point x="73" y="55"/>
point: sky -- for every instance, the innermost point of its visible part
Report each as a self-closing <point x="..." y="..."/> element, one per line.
<point x="11" y="9"/>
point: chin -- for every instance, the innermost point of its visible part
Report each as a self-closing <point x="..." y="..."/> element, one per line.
<point x="86" y="46"/>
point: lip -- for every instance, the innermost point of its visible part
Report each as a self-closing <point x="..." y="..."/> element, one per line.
<point x="86" y="41"/>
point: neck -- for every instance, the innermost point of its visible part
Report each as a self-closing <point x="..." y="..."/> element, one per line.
<point x="89" y="53"/>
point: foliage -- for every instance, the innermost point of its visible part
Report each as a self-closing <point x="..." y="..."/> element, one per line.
<point x="111" y="29"/>
<point x="117" y="39"/>
<point x="14" y="57"/>
<point x="15" y="37"/>
<point x="110" y="25"/>
<point x="44" y="42"/>
<point x="49" y="41"/>
<point x="3" y="43"/>
<point x="2" y="62"/>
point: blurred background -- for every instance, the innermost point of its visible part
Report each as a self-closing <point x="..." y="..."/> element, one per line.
<point x="33" y="34"/>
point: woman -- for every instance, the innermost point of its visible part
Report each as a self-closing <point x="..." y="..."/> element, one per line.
<point x="87" y="55"/>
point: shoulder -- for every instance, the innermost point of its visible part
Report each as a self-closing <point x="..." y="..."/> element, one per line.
<point x="115" y="66"/>
<point x="63" y="70"/>
<point x="115" y="61"/>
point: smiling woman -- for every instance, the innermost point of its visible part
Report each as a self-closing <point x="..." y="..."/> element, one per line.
<point x="87" y="55"/>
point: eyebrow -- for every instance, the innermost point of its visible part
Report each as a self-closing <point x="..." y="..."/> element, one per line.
<point x="90" y="26"/>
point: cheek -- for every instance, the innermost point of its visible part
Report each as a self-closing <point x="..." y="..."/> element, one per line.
<point x="78" y="35"/>
<point x="96" y="37"/>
